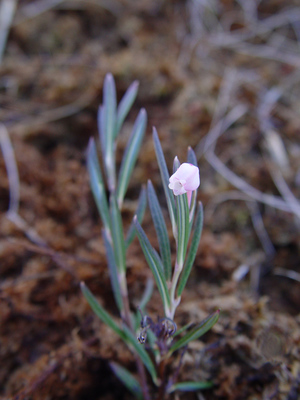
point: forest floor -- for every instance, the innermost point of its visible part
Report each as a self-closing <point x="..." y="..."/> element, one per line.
<point x="220" y="76"/>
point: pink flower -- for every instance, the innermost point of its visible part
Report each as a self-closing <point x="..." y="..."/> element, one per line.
<point x="185" y="180"/>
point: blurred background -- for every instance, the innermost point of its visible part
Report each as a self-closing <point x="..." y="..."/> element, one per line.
<point x="221" y="76"/>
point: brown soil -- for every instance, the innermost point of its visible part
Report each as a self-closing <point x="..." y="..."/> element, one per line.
<point x="51" y="76"/>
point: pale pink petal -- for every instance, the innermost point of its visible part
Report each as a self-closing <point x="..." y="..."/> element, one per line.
<point x="194" y="180"/>
<point x="183" y="172"/>
<point x="177" y="187"/>
<point x="185" y="179"/>
<point x="173" y="179"/>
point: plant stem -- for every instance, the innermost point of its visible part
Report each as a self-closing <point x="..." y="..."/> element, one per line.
<point x="143" y="379"/>
<point x="128" y="321"/>
<point x="174" y="301"/>
<point x="162" y="378"/>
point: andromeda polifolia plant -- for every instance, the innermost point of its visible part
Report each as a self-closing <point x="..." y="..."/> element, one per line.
<point x="153" y="341"/>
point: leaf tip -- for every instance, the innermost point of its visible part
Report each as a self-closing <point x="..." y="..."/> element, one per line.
<point x="109" y="77"/>
<point x="143" y="112"/>
<point x="154" y="132"/>
<point x="90" y="143"/>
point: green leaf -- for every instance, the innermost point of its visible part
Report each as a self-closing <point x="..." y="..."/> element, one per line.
<point x="100" y="312"/>
<point x="118" y="241"/>
<point x="192" y="207"/>
<point x="110" y="104"/>
<point x="125" y="105"/>
<point x="113" y="271"/>
<point x="131" y="153"/>
<point x="151" y="340"/>
<point x="154" y="264"/>
<point x="154" y="253"/>
<point x="191" y="157"/>
<point x="125" y="334"/>
<point x="161" y="231"/>
<point x="132" y="341"/>
<point x="143" y="303"/>
<point x="190" y="386"/>
<point x="183" y="227"/>
<point x="140" y="211"/>
<point x="196" y="332"/>
<point x="176" y="164"/>
<point x="97" y="184"/>
<point x="165" y="178"/>
<point x="102" y="128"/>
<point x="147" y="294"/>
<point x="109" y="110"/>
<point x="183" y="328"/>
<point x="192" y="251"/>
<point x="127" y="379"/>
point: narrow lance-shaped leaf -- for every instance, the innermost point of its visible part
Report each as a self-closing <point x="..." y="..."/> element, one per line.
<point x="127" y="379"/>
<point x="191" y="157"/>
<point x="190" y="386"/>
<point x="161" y="230"/>
<point x="192" y="250"/>
<point x="183" y="227"/>
<point x="183" y="328"/>
<point x="97" y="184"/>
<point x="125" y="333"/>
<point x="165" y="179"/>
<point x="100" y="312"/>
<point x="196" y="332"/>
<point x="118" y="242"/>
<point x="110" y="104"/>
<point x="130" y="155"/>
<point x="176" y="164"/>
<point x="192" y="208"/>
<point x="152" y="339"/>
<point x="113" y="272"/>
<point x="147" y="294"/>
<point x="140" y="211"/>
<point x="131" y="340"/>
<point x="143" y="303"/>
<point x="125" y="105"/>
<point x="152" y="260"/>
<point x="102" y="129"/>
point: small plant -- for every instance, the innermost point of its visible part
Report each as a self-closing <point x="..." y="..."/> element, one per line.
<point x="153" y="342"/>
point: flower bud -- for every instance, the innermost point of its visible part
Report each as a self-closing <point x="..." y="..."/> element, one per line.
<point x="185" y="180"/>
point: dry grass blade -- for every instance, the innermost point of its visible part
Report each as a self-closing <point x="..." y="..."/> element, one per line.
<point x="57" y="113"/>
<point x="239" y="183"/>
<point x="285" y="191"/>
<point x="13" y="210"/>
<point x="12" y="170"/>
<point x="260" y="229"/>
<point x="219" y="128"/>
<point x="14" y="188"/>
<point x="288" y="273"/>
<point x="38" y="7"/>
<point x="35" y="8"/>
<point x="256" y="216"/>
<point x="7" y="12"/>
